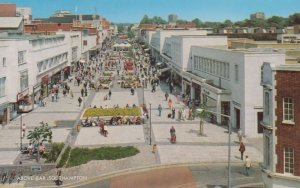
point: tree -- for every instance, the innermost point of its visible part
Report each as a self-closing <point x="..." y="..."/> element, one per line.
<point x="145" y="20"/>
<point x="228" y="23"/>
<point x="40" y="135"/>
<point x="130" y="34"/>
<point x="277" y="21"/>
<point x="202" y="113"/>
<point x="121" y="28"/>
<point x="181" y="21"/>
<point x="197" y="22"/>
<point x="294" y="19"/>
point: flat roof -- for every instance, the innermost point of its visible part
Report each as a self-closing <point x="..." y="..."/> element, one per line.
<point x="29" y="37"/>
<point x="10" y="22"/>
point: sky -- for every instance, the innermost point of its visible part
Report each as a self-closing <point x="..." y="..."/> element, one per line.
<point x="132" y="11"/>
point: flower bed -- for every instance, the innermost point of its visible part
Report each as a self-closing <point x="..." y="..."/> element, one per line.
<point x="95" y="112"/>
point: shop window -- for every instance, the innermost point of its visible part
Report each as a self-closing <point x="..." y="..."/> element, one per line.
<point x="2" y="87"/>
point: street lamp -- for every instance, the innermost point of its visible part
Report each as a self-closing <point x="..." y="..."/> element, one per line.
<point x="150" y="121"/>
<point x="229" y="140"/>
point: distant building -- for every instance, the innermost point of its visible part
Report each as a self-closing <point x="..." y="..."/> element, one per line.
<point x="172" y="18"/>
<point x="7" y="10"/>
<point x="25" y="13"/>
<point x="288" y="38"/>
<point x="257" y="15"/>
<point x="281" y="164"/>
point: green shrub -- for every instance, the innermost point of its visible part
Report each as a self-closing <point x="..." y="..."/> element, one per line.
<point x="64" y="157"/>
<point x="83" y="155"/>
<point x="95" y="112"/>
<point x="54" y="152"/>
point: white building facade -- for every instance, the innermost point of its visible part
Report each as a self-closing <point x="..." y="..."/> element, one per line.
<point x="34" y="64"/>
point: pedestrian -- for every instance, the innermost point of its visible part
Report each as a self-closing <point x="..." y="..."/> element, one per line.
<point x="82" y="92"/>
<point x="179" y="114"/>
<point x="173" y="113"/>
<point x="159" y="109"/>
<point x="167" y="96"/>
<point x="242" y="149"/>
<point x="132" y="91"/>
<point x="171" y="88"/>
<point x="153" y="88"/>
<point x="154" y="148"/>
<point x="71" y="94"/>
<point x="247" y="165"/>
<point x="58" y="173"/>
<point x="170" y="103"/>
<point x="190" y="117"/>
<point x="109" y="94"/>
<point x="52" y="96"/>
<point x="79" y="100"/>
<point x="85" y="92"/>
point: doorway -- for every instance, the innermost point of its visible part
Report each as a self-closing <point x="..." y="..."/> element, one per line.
<point x="260" y="117"/>
<point x="237" y="118"/>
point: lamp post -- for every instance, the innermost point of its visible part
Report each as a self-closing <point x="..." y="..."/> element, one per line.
<point x="150" y="122"/>
<point x="229" y="142"/>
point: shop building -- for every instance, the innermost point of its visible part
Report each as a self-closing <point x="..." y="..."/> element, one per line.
<point x="176" y="54"/>
<point x="231" y="83"/>
<point x="158" y="39"/>
<point x="281" y="107"/>
<point x="33" y="64"/>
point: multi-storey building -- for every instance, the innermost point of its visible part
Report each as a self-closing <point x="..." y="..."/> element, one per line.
<point x="257" y="15"/>
<point x="34" y="64"/>
<point x="158" y="39"/>
<point x="281" y="99"/>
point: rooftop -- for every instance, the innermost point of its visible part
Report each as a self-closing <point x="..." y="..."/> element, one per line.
<point x="10" y="22"/>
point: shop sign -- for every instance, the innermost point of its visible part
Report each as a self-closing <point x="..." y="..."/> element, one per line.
<point x="36" y="88"/>
<point x="22" y="94"/>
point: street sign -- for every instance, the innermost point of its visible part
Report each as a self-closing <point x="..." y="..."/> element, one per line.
<point x="36" y="168"/>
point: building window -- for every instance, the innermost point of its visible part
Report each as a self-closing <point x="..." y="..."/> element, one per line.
<point x="288" y="109"/>
<point x="4" y="62"/>
<point x="236" y="73"/>
<point x="267" y="104"/>
<point x="289" y="160"/>
<point x="2" y="87"/>
<point x="21" y="57"/>
<point x="23" y="80"/>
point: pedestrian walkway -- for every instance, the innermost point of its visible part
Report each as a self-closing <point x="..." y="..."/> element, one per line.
<point x="122" y="134"/>
<point x="188" y="153"/>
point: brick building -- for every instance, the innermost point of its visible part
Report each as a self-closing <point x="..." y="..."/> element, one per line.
<point x="7" y="10"/>
<point x="281" y="120"/>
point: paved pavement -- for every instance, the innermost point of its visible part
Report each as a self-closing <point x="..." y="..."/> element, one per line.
<point x="126" y="134"/>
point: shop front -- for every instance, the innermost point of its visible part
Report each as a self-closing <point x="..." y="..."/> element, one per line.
<point x="218" y="101"/>
<point x="8" y="111"/>
<point x="45" y="86"/>
<point x="37" y="88"/>
<point x="196" y="93"/>
<point x="24" y="101"/>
